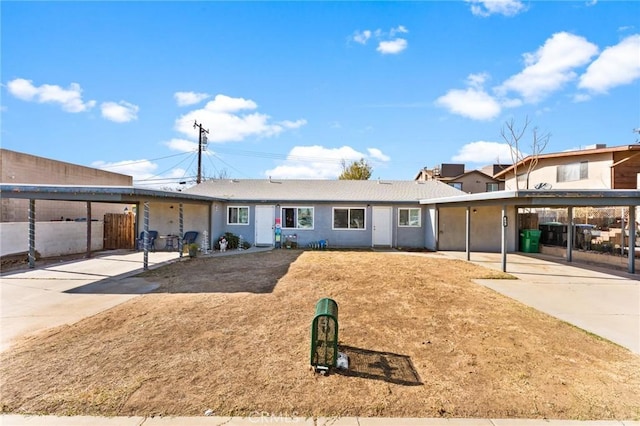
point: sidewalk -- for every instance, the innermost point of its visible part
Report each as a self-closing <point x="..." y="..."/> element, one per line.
<point x="265" y="419"/>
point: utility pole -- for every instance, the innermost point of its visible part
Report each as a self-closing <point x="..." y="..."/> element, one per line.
<point x="202" y="139"/>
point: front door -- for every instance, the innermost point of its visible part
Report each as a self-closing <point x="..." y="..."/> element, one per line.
<point x="381" y="226"/>
<point x="265" y="218"/>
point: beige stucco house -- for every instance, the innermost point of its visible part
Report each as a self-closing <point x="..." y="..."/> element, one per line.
<point x="599" y="167"/>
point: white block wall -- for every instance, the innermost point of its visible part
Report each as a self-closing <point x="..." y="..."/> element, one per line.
<point x="52" y="238"/>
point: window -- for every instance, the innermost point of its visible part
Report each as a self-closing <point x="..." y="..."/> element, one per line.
<point x="409" y="217"/>
<point x="492" y="186"/>
<point x="297" y="217"/>
<point x="348" y="218"/>
<point x="237" y="215"/>
<point x="456" y="185"/>
<point x="572" y="172"/>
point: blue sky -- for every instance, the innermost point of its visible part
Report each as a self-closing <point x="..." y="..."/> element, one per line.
<point x="292" y="89"/>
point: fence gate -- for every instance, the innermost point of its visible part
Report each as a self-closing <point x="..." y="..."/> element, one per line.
<point x="119" y="231"/>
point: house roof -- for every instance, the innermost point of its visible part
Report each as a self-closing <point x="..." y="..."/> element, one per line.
<point x="469" y="173"/>
<point x="543" y="198"/>
<point x="576" y="153"/>
<point x="96" y="193"/>
<point x="295" y="190"/>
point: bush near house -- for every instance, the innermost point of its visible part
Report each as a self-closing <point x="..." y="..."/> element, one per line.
<point x="233" y="241"/>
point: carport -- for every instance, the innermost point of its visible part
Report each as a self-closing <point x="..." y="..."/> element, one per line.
<point x="101" y="194"/>
<point x="511" y="201"/>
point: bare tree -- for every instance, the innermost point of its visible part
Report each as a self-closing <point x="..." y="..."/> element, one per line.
<point x="221" y="174"/>
<point x="513" y="135"/>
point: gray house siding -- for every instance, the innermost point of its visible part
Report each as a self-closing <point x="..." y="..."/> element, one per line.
<point x="323" y="226"/>
<point x="381" y="202"/>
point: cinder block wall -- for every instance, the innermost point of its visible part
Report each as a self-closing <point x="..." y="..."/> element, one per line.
<point x="20" y="168"/>
<point x="52" y="238"/>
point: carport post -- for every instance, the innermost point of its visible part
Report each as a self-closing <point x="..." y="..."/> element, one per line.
<point x="88" y="229"/>
<point x="467" y="235"/>
<point x="180" y="227"/>
<point x="505" y="222"/>
<point x="32" y="233"/>
<point x="145" y="228"/>
<point x="570" y="235"/>
<point x="632" y="239"/>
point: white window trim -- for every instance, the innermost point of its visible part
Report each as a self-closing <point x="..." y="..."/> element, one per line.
<point x="239" y="223"/>
<point x="419" y="225"/>
<point x="333" y="213"/>
<point x="313" y="217"/>
<point x="561" y="171"/>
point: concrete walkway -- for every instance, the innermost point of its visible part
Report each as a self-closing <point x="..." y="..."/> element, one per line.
<point x="602" y="301"/>
<point x="36" y="299"/>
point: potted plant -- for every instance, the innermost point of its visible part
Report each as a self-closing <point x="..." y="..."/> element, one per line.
<point x="193" y="250"/>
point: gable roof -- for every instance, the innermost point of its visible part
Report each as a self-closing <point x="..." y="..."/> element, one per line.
<point x="576" y="153"/>
<point x="307" y="190"/>
<point x="469" y="173"/>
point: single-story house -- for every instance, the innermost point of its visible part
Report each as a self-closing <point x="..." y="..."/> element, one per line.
<point x="346" y="213"/>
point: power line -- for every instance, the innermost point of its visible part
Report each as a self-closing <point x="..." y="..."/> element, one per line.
<point x="259" y="154"/>
<point x="128" y="163"/>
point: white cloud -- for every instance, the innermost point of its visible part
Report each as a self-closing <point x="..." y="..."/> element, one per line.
<point x="189" y="98"/>
<point x="472" y="103"/>
<point x="224" y="103"/>
<point x="388" y="43"/>
<point x="121" y="112"/>
<point x="144" y="173"/>
<point x="398" y="29"/>
<point x="392" y="47"/>
<point x="581" y="97"/>
<point x="550" y="67"/>
<point x="139" y="169"/>
<point x="182" y="145"/>
<point x="70" y="99"/>
<point x="477" y="80"/>
<point x="617" y="65"/>
<point x="225" y="121"/>
<point x="483" y="152"/>
<point x="293" y="124"/>
<point x="318" y="162"/>
<point x="500" y="7"/>
<point x="362" y="36"/>
<point x="376" y="154"/>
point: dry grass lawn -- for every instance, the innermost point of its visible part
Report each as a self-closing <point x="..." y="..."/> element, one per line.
<point x="232" y="334"/>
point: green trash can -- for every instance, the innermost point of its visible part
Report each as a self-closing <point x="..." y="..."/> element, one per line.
<point x="324" y="335"/>
<point x="530" y="240"/>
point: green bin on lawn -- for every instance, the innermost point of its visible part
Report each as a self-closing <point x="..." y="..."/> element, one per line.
<point x="530" y="240"/>
<point x="324" y="335"/>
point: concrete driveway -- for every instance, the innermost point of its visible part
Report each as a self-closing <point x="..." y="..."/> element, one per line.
<point x="602" y="301"/>
<point x="64" y="293"/>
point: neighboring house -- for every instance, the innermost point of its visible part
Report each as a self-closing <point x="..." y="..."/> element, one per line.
<point x="20" y="168"/>
<point x="595" y="168"/>
<point x="346" y="213"/>
<point x="471" y="182"/>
